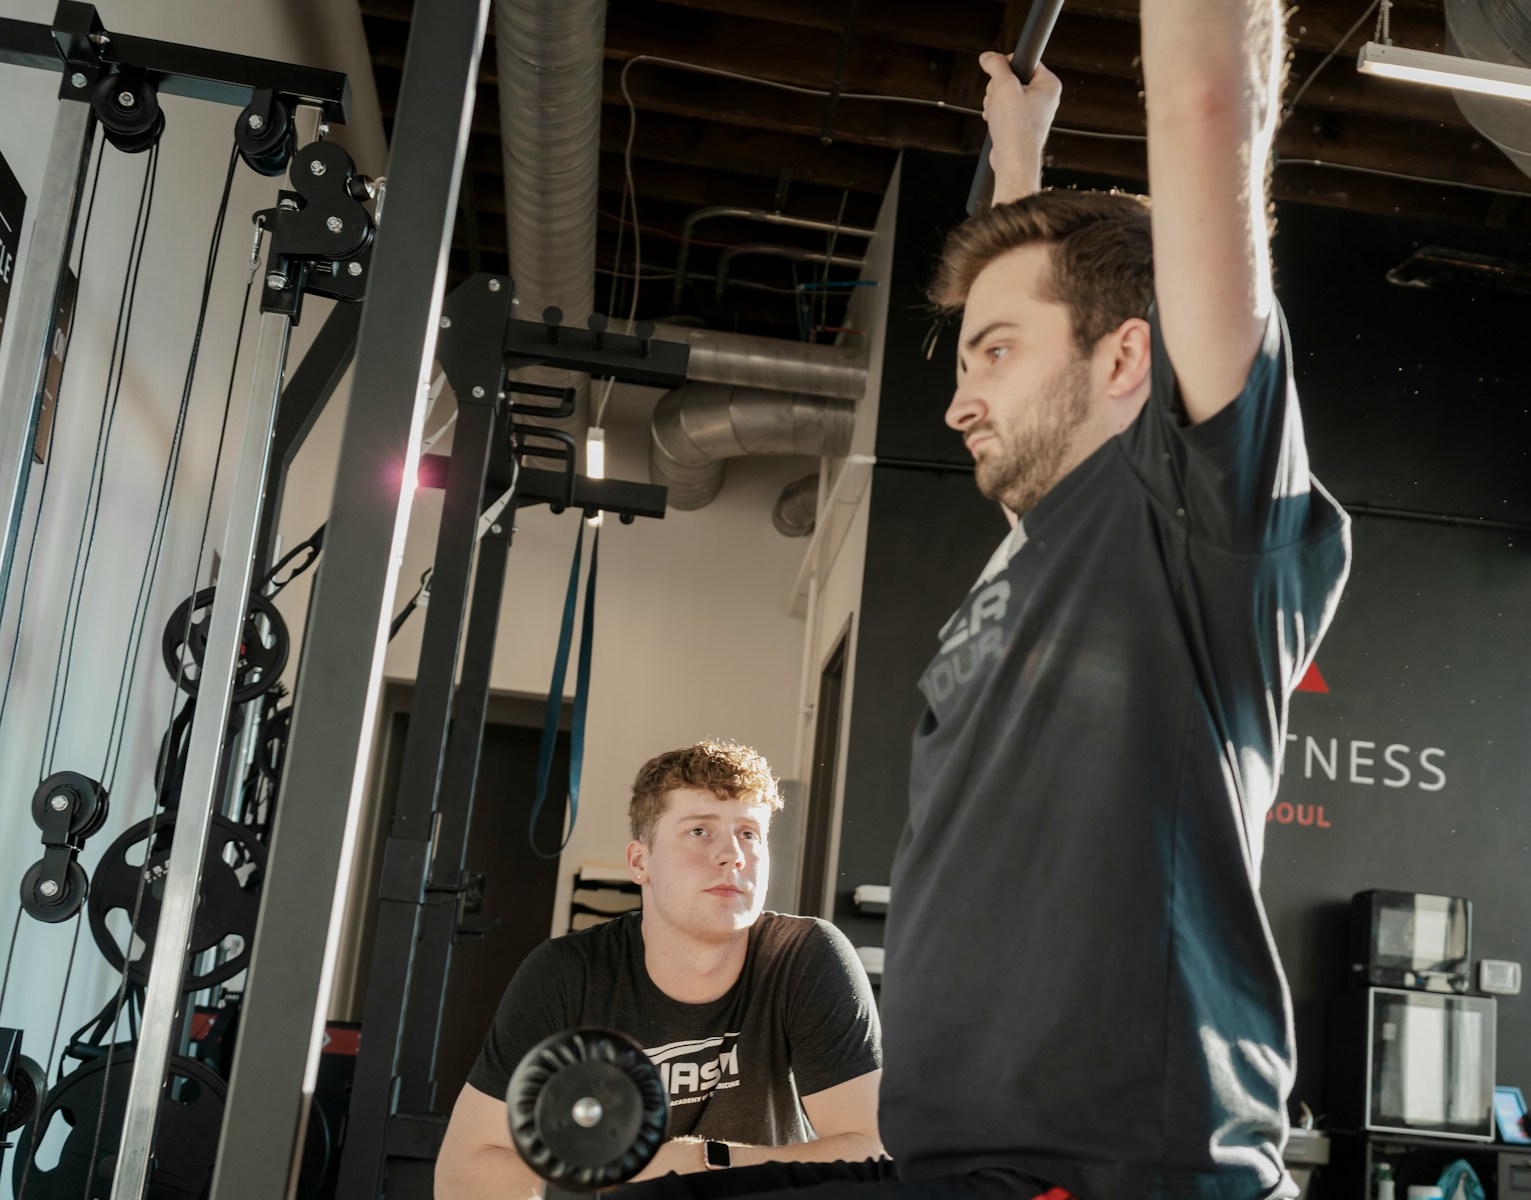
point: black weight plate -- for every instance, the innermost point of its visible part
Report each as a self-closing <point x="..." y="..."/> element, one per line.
<point x="90" y="802"/>
<point x="599" y="1064"/>
<point x="272" y="751"/>
<point x="28" y="1083"/>
<point x="75" y="886"/>
<point x="186" y="1143"/>
<point x="184" y="646"/>
<point x="229" y="903"/>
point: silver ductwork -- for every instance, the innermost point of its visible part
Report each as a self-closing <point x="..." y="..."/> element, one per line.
<point x="775" y="364"/>
<point x="1497" y="31"/>
<point x="698" y="426"/>
<point x="797" y="508"/>
<point x="548" y="55"/>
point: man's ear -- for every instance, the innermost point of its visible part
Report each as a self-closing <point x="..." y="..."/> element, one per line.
<point x="637" y="862"/>
<point x="1130" y="346"/>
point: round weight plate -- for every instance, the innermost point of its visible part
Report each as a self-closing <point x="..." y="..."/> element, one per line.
<point x="27" y="1083"/>
<point x="261" y="657"/>
<point x="587" y="1109"/>
<point x="185" y="1146"/>
<point x="232" y="869"/>
<point x="88" y="797"/>
<point x="76" y="884"/>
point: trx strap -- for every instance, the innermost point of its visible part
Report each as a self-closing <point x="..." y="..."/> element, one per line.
<point x="555" y="696"/>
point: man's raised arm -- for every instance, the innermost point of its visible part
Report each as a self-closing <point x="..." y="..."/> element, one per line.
<point x="1211" y="71"/>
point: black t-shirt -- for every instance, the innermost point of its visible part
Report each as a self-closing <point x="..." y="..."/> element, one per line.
<point x="1080" y="982"/>
<point x="799" y="1020"/>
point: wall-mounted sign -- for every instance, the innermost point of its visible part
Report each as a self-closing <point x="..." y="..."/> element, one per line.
<point x="13" y="206"/>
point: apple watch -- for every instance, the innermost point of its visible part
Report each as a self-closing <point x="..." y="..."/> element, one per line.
<point x="717" y="1156"/>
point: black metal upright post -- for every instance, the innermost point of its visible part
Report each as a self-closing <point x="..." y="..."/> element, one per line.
<point x="407" y="851"/>
<point x="297" y="939"/>
<point x="409" y="1176"/>
<point x="308" y="390"/>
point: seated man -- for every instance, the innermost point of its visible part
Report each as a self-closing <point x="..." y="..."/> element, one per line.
<point x="762" y="1026"/>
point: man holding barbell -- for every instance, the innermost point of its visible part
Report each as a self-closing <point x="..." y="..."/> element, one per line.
<point x="1081" y="994"/>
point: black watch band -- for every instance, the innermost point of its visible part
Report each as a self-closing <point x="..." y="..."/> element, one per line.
<point x="717" y="1156"/>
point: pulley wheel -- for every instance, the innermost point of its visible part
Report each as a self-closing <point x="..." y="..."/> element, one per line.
<point x="88" y="797"/>
<point x="261" y="657"/>
<point x="267" y="145"/>
<point x="232" y="869"/>
<point x="128" y="110"/>
<point x="185" y="1145"/>
<point x="27" y="1084"/>
<point x="587" y="1109"/>
<point x="52" y="910"/>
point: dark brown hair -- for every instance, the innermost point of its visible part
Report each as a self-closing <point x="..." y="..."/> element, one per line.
<point x="1101" y="251"/>
<point x="726" y="769"/>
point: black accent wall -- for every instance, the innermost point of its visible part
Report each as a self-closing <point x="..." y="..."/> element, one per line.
<point x="1417" y="405"/>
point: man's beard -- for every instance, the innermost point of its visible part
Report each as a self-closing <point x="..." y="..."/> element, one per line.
<point x="1025" y="462"/>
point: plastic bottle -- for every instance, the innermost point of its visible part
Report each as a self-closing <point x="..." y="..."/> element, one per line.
<point x="1383" y="1176"/>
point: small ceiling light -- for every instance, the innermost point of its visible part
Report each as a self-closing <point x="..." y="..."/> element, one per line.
<point x="1445" y="70"/>
<point x="595" y="463"/>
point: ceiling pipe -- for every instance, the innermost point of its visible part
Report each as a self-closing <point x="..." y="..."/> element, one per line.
<point x="697" y="427"/>
<point x="749" y="214"/>
<point x="771" y="364"/>
<point x="548" y="56"/>
<point x="795" y="253"/>
<point x="797" y="508"/>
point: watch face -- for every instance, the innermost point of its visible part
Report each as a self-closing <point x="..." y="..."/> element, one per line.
<point x="718" y="1156"/>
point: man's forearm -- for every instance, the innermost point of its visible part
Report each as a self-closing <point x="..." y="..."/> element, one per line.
<point x="486" y="1173"/>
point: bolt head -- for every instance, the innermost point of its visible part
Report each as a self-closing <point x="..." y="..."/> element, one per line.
<point x="276" y="281"/>
<point x="478" y="393"/>
<point x="446" y="322"/>
<point x="334" y="224"/>
<point x="77" y="80"/>
<point x="587" y="1112"/>
<point x="58" y="802"/>
<point x="353" y="268"/>
<point x="496" y="529"/>
<point x="315" y="167"/>
<point x="48" y="888"/>
<point x="256" y="122"/>
<point x="126" y="99"/>
<point x="494" y="285"/>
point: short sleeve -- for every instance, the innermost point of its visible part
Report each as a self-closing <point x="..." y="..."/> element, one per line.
<point x="833" y="1030"/>
<point x="535" y="1005"/>
<point x="1239" y="479"/>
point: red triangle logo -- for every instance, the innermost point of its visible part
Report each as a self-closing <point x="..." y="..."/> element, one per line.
<point x="1313" y="681"/>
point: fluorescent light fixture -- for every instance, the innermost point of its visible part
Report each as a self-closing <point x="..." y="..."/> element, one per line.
<point x="1445" y="70"/>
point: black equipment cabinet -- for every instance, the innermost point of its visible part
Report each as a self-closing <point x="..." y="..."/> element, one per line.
<point x="1354" y="1158"/>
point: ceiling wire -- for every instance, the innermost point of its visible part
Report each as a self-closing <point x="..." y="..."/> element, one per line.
<point x="1329" y="58"/>
<point x="629" y="197"/>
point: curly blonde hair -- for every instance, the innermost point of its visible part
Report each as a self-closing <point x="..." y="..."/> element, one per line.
<point x="726" y="769"/>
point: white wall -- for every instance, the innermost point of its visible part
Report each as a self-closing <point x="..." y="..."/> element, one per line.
<point x="193" y="156"/>
<point x="693" y="637"/>
<point x="841" y="562"/>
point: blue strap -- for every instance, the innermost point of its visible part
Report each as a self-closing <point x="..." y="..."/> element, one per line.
<point x="555" y="695"/>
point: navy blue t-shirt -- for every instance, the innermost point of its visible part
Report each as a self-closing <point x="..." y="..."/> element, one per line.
<point x="1080" y="982"/>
